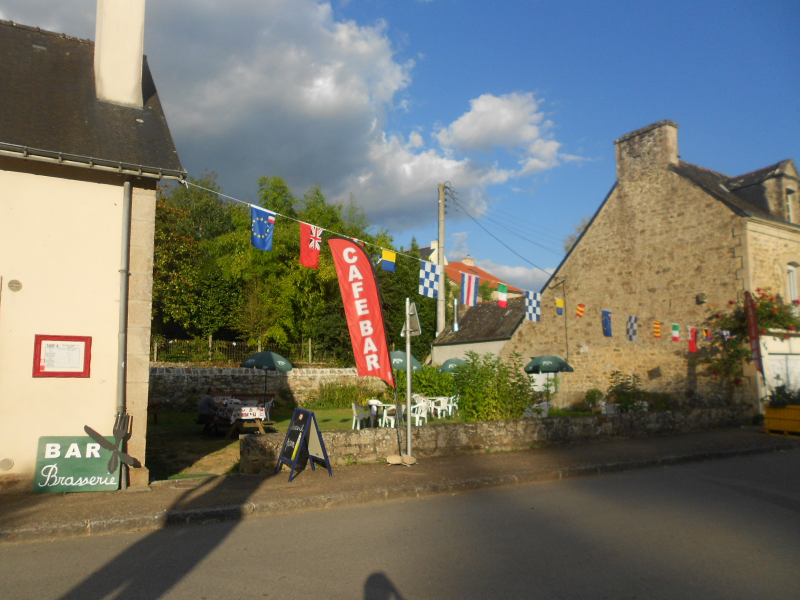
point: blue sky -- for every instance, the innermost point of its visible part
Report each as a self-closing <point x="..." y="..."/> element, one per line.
<point x="516" y="104"/>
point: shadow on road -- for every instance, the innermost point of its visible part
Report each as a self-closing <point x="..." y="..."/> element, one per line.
<point x="379" y="587"/>
<point x="153" y="565"/>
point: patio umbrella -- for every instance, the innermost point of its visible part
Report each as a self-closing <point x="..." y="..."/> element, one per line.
<point x="269" y="361"/>
<point x="548" y="364"/>
<point x="449" y="366"/>
<point x="399" y="361"/>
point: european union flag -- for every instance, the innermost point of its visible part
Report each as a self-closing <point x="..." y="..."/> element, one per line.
<point x="262" y="223"/>
<point x="607" y="323"/>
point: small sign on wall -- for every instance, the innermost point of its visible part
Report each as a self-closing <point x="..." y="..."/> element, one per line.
<point x="62" y="356"/>
<point x="73" y="464"/>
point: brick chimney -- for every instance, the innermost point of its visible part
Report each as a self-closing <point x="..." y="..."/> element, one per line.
<point x="647" y="149"/>
<point x="118" y="51"/>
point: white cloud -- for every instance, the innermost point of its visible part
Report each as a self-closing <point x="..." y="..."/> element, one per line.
<point x="279" y="87"/>
<point x="522" y="277"/>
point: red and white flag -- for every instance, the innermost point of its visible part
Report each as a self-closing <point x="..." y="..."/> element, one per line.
<point x="362" y="307"/>
<point x="692" y="339"/>
<point x="310" y="245"/>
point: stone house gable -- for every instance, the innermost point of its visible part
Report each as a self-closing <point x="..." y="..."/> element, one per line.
<point x="672" y="243"/>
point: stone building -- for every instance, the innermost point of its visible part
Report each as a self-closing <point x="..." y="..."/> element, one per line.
<point x="83" y="146"/>
<point x="674" y="243"/>
<point x="484" y="328"/>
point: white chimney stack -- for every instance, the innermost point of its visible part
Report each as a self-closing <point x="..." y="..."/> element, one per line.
<point x="118" y="51"/>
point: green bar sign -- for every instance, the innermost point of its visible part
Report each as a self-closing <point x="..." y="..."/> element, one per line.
<point x="73" y="464"/>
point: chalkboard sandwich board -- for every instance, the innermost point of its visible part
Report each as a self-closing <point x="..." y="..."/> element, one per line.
<point x="303" y="442"/>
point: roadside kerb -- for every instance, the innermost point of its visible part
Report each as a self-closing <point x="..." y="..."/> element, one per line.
<point x="177" y="518"/>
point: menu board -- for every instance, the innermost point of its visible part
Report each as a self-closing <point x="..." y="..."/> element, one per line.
<point x="62" y="356"/>
<point x="303" y="443"/>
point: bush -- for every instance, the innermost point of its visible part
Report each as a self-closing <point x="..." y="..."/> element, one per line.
<point x="625" y="392"/>
<point x="593" y="397"/>
<point x="428" y="382"/>
<point x="491" y="390"/>
<point x="782" y="397"/>
<point x="339" y="395"/>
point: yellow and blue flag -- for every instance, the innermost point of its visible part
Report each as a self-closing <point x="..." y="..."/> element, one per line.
<point x="388" y="260"/>
<point x="262" y="224"/>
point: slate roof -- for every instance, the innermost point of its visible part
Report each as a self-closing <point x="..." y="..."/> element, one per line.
<point x="49" y="104"/>
<point x="486" y="322"/>
<point x="731" y="190"/>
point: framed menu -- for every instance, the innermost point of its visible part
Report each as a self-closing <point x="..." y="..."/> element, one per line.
<point x="62" y="356"/>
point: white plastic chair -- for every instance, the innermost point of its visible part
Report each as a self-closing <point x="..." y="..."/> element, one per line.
<point x="419" y="412"/>
<point x="359" y="414"/>
<point x="440" y="407"/>
<point x="267" y="408"/>
<point x="387" y="418"/>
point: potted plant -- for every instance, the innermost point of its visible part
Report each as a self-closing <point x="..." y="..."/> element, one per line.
<point x="782" y="410"/>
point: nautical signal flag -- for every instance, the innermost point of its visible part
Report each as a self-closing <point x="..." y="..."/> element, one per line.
<point x="581" y="308"/>
<point x="469" y="289"/>
<point x="632" y="328"/>
<point x="656" y="329"/>
<point x="560" y="307"/>
<point x="262" y="224"/>
<point x="388" y="260"/>
<point x="502" y="295"/>
<point x="607" y="323"/>
<point x="310" y="245"/>
<point x="692" y="339"/>
<point x="533" y="306"/>
<point x="429" y="275"/>
<point x="676" y="332"/>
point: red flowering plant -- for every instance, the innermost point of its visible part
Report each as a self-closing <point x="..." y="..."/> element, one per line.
<point x="730" y="346"/>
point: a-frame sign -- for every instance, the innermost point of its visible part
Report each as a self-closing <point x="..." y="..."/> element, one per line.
<point x="303" y="442"/>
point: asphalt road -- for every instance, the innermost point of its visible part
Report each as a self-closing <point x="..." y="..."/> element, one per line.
<point x="724" y="529"/>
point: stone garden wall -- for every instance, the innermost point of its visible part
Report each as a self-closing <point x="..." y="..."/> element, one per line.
<point x="184" y="386"/>
<point x="259" y="452"/>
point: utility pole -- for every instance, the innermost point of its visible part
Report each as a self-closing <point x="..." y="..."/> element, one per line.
<point x="440" y="301"/>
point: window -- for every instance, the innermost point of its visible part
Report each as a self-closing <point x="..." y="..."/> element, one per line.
<point x="789" y="211"/>
<point x="791" y="281"/>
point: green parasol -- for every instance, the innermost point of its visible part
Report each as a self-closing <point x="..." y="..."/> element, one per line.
<point x="449" y="366"/>
<point x="399" y="361"/>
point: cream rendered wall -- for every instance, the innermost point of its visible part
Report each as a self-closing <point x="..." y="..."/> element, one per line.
<point x="443" y="353"/>
<point x="61" y="239"/>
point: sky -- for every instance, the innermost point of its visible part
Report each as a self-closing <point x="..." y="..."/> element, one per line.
<point x="515" y="104"/>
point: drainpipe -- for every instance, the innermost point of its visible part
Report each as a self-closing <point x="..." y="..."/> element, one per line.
<point x="122" y="339"/>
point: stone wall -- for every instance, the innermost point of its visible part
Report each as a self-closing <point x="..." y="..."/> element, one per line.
<point x="655" y="244"/>
<point x="259" y="452"/>
<point x="178" y="386"/>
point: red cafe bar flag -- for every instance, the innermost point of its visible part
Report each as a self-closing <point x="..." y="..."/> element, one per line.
<point x="310" y="245"/>
<point x="362" y="307"/>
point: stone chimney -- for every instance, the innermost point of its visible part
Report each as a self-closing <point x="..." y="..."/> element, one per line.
<point x="118" y="51"/>
<point x="647" y="149"/>
<point x="468" y="260"/>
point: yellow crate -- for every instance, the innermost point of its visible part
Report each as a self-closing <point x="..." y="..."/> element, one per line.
<point x="782" y="419"/>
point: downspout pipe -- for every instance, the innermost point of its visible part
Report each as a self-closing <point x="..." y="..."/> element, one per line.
<point x="122" y="338"/>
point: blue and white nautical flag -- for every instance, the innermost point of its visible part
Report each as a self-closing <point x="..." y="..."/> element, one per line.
<point x="429" y="275"/>
<point x="533" y="306"/>
<point x="262" y="224"/>
<point x="607" y="323"/>
<point x="632" y="328"/>
<point x="469" y="289"/>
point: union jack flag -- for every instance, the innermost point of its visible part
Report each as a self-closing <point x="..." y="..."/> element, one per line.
<point x="315" y="239"/>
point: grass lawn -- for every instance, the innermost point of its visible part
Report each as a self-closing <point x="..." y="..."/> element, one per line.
<point x="176" y="449"/>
